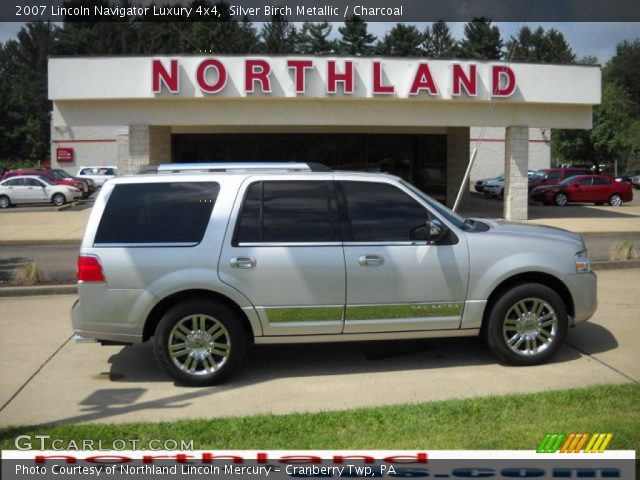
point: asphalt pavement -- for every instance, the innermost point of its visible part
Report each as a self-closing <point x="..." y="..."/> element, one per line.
<point x="48" y="378"/>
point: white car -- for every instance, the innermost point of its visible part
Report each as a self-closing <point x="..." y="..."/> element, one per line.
<point x="35" y="189"/>
<point x="494" y="187"/>
<point x="99" y="174"/>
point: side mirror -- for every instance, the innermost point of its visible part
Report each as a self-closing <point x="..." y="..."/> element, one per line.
<point x="436" y="230"/>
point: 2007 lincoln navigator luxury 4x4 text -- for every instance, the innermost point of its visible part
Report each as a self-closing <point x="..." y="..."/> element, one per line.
<point x="208" y="259"/>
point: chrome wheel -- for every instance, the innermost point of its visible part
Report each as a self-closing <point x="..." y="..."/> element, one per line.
<point x="4" y="202"/>
<point x="615" y="200"/>
<point x="58" y="199"/>
<point x="561" y="199"/>
<point x="530" y="326"/>
<point x="199" y="344"/>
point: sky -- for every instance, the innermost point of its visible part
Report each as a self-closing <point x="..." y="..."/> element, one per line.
<point x="597" y="39"/>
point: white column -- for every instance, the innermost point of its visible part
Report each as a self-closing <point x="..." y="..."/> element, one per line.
<point x="516" y="164"/>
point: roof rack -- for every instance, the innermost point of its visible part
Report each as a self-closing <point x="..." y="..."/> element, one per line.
<point x="234" y="167"/>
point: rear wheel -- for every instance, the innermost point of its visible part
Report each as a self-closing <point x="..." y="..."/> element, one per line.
<point x="615" y="200"/>
<point x="58" y="199"/>
<point x="5" y="202"/>
<point x="561" y="199"/>
<point x="200" y="342"/>
<point x="527" y="325"/>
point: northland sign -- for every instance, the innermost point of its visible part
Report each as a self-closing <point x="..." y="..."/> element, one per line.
<point x="257" y="75"/>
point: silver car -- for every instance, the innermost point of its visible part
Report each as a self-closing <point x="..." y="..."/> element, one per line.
<point x="23" y="189"/>
<point x="209" y="259"/>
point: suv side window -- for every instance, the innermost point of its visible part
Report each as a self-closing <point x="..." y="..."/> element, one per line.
<point x="586" y="181"/>
<point x="288" y="212"/>
<point x="379" y="212"/>
<point x="553" y="175"/>
<point x="143" y="213"/>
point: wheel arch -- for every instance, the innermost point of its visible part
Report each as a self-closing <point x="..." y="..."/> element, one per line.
<point x="529" y="277"/>
<point x="156" y="313"/>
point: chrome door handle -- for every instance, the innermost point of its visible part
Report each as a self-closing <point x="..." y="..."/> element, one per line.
<point x="371" y="260"/>
<point x="243" y="262"/>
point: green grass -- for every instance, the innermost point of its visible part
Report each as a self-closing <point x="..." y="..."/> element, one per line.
<point x="506" y="422"/>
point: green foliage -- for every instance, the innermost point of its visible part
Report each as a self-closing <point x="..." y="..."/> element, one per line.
<point x="279" y="36"/>
<point x="438" y="41"/>
<point x="402" y="41"/>
<point x="539" y="46"/>
<point x="356" y="39"/>
<point x="623" y="68"/>
<point x="481" y="40"/>
<point x="314" y="39"/>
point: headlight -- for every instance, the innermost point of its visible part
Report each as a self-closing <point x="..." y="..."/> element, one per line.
<point x="583" y="265"/>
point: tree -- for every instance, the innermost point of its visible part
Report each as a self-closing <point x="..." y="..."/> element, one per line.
<point x="481" y="40"/>
<point x="314" y="39"/>
<point x="540" y="47"/>
<point x="25" y="127"/>
<point x="356" y="40"/>
<point x="402" y="41"/>
<point x="438" y="41"/>
<point x="624" y="68"/>
<point x="279" y="36"/>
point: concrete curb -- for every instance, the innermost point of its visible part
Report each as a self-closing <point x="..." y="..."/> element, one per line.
<point x="614" y="265"/>
<point x="38" y="290"/>
<point x="73" y="288"/>
<point x="28" y="242"/>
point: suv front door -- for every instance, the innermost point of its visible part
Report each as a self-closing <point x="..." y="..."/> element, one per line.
<point x="286" y="255"/>
<point x="396" y="280"/>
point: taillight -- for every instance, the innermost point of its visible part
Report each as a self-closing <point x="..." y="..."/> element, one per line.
<point x="89" y="269"/>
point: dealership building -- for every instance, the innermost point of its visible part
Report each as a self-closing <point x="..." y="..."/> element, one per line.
<point x="417" y="118"/>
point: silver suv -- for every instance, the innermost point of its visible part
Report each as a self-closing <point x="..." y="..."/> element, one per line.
<point x="209" y="259"/>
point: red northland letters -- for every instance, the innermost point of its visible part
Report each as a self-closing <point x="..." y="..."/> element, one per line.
<point x="211" y="77"/>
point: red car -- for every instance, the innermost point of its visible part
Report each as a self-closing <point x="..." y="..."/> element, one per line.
<point x="48" y="174"/>
<point x="598" y="189"/>
<point x="553" y="176"/>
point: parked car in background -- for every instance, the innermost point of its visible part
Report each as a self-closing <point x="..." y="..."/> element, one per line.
<point x="479" y="185"/>
<point x="99" y="174"/>
<point x="62" y="174"/>
<point x="635" y="181"/>
<point x="598" y="189"/>
<point x="495" y="187"/>
<point x="553" y="176"/>
<point x="628" y="177"/>
<point x="43" y="172"/>
<point x="22" y="189"/>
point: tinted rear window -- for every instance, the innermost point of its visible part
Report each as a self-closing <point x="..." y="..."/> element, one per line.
<point x="157" y="213"/>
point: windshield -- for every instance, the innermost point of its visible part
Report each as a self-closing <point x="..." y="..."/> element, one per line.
<point x="61" y="174"/>
<point x="45" y="180"/>
<point x="457" y="220"/>
<point x="569" y="180"/>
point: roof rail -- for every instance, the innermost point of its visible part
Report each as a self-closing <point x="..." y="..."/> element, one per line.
<point x="234" y="167"/>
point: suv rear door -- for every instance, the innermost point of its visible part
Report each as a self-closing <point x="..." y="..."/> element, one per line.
<point x="284" y="253"/>
<point x="395" y="280"/>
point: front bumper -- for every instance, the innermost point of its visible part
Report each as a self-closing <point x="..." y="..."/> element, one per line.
<point x="584" y="292"/>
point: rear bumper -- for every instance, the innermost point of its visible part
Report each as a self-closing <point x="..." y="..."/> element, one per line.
<point x="584" y="292"/>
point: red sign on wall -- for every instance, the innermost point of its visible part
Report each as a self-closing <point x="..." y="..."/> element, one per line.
<point x="64" y="155"/>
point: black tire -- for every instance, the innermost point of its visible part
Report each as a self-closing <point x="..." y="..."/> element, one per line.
<point x="5" y="202"/>
<point x="210" y="363"/>
<point x="505" y="325"/>
<point x="58" y="199"/>
<point x="560" y="199"/>
<point x="615" y="200"/>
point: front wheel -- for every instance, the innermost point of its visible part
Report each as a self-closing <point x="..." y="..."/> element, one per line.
<point x="5" y="202"/>
<point x="561" y="199"/>
<point x="200" y="342"/>
<point x="58" y="199"/>
<point x="527" y="325"/>
<point x="615" y="200"/>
